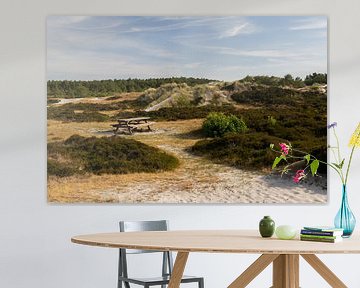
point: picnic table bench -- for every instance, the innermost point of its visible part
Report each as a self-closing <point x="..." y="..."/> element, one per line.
<point x="132" y="124"/>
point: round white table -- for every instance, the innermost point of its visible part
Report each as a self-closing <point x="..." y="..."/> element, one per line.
<point x="284" y="254"/>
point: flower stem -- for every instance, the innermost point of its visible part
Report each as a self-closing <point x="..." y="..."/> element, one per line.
<point x="339" y="161"/>
<point x="348" y="167"/>
<point x="336" y="169"/>
<point x="333" y="152"/>
<point x="338" y="145"/>
<point x="350" y="159"/>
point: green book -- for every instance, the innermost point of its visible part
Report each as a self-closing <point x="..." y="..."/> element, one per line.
<point x="325" y="240"/>
<point x="319" y="236"/>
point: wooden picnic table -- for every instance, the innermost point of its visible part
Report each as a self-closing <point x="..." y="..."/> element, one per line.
<point x="132" y="124"/>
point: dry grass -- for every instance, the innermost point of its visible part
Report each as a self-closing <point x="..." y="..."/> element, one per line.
<point x="196" y="180"/>
<point x="165" y="136"/>
<point x="58" y="130"/>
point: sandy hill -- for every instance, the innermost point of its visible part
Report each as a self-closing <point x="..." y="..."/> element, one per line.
<point x="214" y="93"/>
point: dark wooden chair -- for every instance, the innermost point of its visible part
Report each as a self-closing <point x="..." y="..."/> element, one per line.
<point x="167" y="262"/>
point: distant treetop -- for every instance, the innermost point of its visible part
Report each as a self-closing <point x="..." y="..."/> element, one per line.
<point x="316" y="78"/>
<point x="288" y="80"/>
<point x="79" y="89"/>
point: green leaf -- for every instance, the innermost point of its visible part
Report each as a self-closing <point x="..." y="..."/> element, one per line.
<point x="277" y="161"/>
<point x="339" y="166"/>
<point x="307" y="157"/>
<point x="342" y="163"/>
<point x="336" y="165"/>
<point x="272" y="146"/>
<point x="314" y="166"/>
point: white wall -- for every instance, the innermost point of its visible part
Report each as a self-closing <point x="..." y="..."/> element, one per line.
<point x="35" y="248"/>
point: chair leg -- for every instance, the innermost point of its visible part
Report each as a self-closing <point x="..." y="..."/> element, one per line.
<point x="201" y="283"/>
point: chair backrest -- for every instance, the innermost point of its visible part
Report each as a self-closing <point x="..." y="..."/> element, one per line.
<point x="132" y="226"/>
<point x="135" y="226"/>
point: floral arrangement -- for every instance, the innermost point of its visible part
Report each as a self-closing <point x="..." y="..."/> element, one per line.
<point x="288" y="153"/>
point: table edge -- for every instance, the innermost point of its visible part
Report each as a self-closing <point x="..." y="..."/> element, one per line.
<point x="207" y="250"/>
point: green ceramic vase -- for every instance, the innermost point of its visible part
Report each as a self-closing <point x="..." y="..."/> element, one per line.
<point x="267" y="227"/>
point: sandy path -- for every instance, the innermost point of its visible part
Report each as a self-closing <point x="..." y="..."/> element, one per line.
<point x="197" y="180"/>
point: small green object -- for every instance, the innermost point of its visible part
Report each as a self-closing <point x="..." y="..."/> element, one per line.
<point x="285" y="232"/>
<point x="266" y="227"/>
<point x="277" y="161"/>
<point x="314" y="167"/>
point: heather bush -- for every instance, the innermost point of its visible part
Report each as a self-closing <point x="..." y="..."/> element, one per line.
<point x="247" y="150"/>
<point x="106" y="155"/>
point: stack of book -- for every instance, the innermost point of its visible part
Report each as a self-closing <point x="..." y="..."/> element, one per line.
<point x="321" y="234"/>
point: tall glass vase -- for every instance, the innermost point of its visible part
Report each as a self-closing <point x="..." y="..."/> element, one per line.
<point x="345" y="219"/>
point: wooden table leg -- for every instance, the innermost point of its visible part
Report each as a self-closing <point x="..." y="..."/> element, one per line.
<point x="178" y="270"/>
<point x="286" y="271"/>
<point x="253" y="270"/>
<point x="324" y="271"/>
<point x="293" y="264"/>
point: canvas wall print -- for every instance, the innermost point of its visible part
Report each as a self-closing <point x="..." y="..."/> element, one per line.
<point x="185" y="109"/>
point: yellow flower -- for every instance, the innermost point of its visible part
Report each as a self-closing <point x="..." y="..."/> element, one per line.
<point x="355" y="138"/>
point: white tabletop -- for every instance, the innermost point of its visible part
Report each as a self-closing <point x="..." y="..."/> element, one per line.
<point x="217" y="241"/>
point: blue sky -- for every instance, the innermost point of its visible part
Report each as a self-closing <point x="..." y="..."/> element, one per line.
<point x="221" y="47"/>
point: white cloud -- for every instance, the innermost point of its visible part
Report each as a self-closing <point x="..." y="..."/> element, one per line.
<point x="91" y="66"/>
<point x="255" y="53"/>
<point x="310" y="24"/>
<point x="230" y="29"/>
<point x="234" y="31"/>
<point x="192" y="65"/>
<point x="103" y="43"/>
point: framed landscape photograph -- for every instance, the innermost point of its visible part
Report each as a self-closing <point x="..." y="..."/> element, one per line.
<point x="165" y="109"/>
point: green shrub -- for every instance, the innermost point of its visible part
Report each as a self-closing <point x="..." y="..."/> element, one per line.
<point x="178" y="113"/>
<point x="304" y="128"/>
<point x="60" y="169"/>
<point x="217" y="124"/>
<point x="271" y="120"/>
<point x="67" y="114"/>
<point x="248" y="150"/>
<point x="90" y="111"/>
<point x="112" y="155"/>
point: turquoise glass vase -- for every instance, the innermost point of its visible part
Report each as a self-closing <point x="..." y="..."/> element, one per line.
<point x="345" y="219"/>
